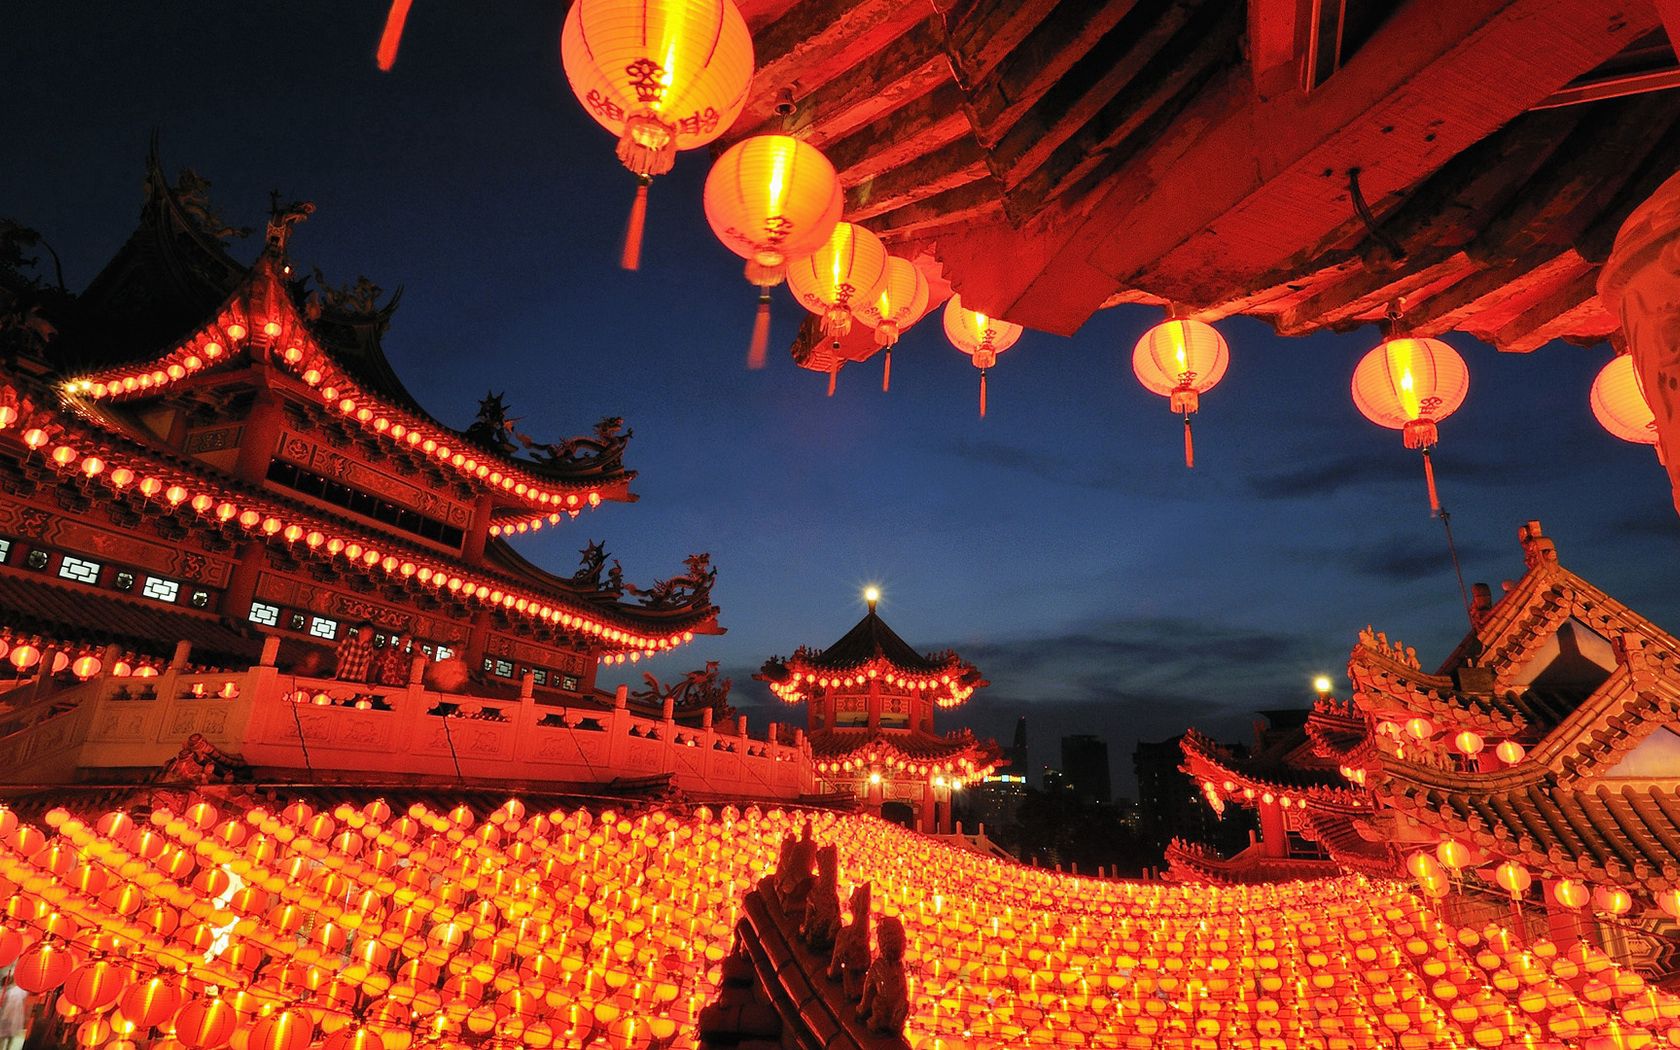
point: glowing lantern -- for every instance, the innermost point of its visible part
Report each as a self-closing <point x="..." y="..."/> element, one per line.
<point x="662" y="75"/>
<point x="1180" y="360"/>
<point x="981" y="337"/>
<point x="1410" y="385"/>
<point x="151" y="1002"/>
<point x="1613" y="900"/>
<point x="85" y="667"/>
<point x="1569" y="893"/>
<point x="845" y="274"/>
<point x="1513" y="878"/>
<point x="771" y="199"/>
<point x="23" y="657"/>
<point x="205" y="1024"/>
<point x="286" y="1030"/>
<point x="1510" y="752"/>
<point x="1468" y="743"/>
<point x="94" y="986"/>
<point x="1618" y="400"/>
<point x="1453" y="854"/>
<point x="1419" y="728"/>
<point x="1668" y="901"/>
<point x="903" y="300"/>
<point x="1424" y="868"/>
<point x="41" y="969"/>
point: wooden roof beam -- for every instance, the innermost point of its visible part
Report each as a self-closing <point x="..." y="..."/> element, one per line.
<point x="907" y="68"/>
<point x="818" y="41"/>
<point x="916" y="129"/>
<point x="955" y="164"/>
<point x="1231" y="190"/>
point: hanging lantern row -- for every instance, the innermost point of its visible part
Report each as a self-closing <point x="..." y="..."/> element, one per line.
<point x="949" y="691"/>
<point x="1451" y="855"/>
<point x="873" y="761"/>
<point x="23" y="652"/>
<point x="107" y="467"/>
<point x="1265" y="794"/>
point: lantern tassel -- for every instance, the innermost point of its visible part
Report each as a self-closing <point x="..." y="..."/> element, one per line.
<point x="982" y="393"/>
<point x="759" y="348"/>
<point x="833" y="376"/>
<point x="386" y="56"/>
<point x="1429" y="479"/>
<point x="632" y="258"/>
<point x="886" y="372"/>
<point x="1189" y="445"/>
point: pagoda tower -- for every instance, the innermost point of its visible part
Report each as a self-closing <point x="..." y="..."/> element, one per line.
<point x="870" y="700"/>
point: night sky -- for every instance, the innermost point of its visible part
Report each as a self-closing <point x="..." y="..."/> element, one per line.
<point x="1059" y="543"/>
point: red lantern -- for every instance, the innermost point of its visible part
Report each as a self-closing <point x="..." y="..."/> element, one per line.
<point x="206" y="1024"/>
<point x="662" y="75"/>
<point x="1410" y="385"/>
<point x="771" y="199"/>
<point x="1513" y="878"/>
<point x="286" y="1030"/>
<point x="1181" y="359"/>
<point x="1618" y="400"/>
<point x="902" y="302"/>
<point x="841" y="277"/>
<point x="95" y="985"/>
<point x="1569" y="893"/>
<point x="356" y="1037"/>
<point x="151" y="1002"/>
<point x="981" y="337"/>
<point x="42" y="968"/>
<point x="11" y="945"/>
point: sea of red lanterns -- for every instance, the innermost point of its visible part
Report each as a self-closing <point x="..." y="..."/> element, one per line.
<point x="361" y="928"/>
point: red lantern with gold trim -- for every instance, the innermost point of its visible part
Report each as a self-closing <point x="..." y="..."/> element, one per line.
<point x="1410" y="385"/>
<point x="1181" y="359"/>
<point x="979" y="336"/>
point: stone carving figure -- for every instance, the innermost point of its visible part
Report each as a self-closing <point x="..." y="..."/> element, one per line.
<point x="794" y="875"/>
<point x="822" y="904"/>
<point x="885" y="1005"/>
<point x="850" y="959"/>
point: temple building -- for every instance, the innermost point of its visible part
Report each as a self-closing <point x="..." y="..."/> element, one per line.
<point x="1537" y="766"/>
<point x="212" y="467"/>
<point x="870" y="701"/>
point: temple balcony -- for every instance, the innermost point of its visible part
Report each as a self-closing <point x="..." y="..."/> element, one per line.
<point x="284" y="728"/>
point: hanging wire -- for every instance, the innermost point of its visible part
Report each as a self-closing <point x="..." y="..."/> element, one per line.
<point x="1458" y="568"/>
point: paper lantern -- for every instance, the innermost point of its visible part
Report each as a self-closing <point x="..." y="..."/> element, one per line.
<point x="662" y="75"/>
<point x="901" y="303"/>
<point x="842" y="276"/>
<point x="1618" y="400"/>
<point x="285" y="1030"/>
<point x="1410" y="385"/>
<point x="23" y="657"/>
<point x="1181" y="359"/>
<point x="1668" y="901"/>
<point x="1419" y="728"/>
<point x="1468" y="743"/>
<point x="95" y="985"/>
<point x="1509" y="752"/>
<point x="42" y="968"/>
<point x="770" y="199"/>
<point x="1570" y="893"/>
<point x="1453" y="854"/>
<point x="151" y="1002"/>
<point x="1612" y="900"/>
<point x="981" y="337"/>
<point x="1513" y="878"/>
<point x="206" y="1024"/>
<point x="11" y="945"/>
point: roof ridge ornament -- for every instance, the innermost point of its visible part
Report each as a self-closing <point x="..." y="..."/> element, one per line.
<point x="1538" y="548"/>
<point x="282" y="220"/>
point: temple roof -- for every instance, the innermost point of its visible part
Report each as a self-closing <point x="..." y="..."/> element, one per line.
<point x="960" y="754"/>
<point x="1059" y="156"/>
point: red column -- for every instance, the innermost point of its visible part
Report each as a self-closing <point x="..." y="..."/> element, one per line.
<point x="1274" y="835"/>
<point x="260" y="435"/>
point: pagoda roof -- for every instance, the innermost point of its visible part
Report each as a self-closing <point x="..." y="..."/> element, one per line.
<point x="514" y="587"/>
<point x="172" y="288"/>
<point x="1195" y="862"/>
<point x="1304" y="780"/>
<point x="871" y="650"/>
<point x="960" y="753"/>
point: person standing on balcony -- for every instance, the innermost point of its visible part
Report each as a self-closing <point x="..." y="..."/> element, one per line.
<point x="394" y="661"/>
<point x="355" y="654"/>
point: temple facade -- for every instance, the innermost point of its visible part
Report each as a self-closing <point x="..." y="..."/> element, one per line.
<point x="213" y="478"/>
<point x="1538" y="767"/>
<point x="870" y="701"/>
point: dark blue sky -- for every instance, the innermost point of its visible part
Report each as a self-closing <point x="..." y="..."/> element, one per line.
<point x="1059" y="543"/>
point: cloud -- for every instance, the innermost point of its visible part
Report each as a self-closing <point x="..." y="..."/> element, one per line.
<point x="1310" y="476"/>
<point x="1112" y="473"/>
<point x="1406" y="558"/>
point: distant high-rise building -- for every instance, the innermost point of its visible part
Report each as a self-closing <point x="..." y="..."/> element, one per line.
<point x="1085" y="765"/>
<point x="1170" y="805"/>
<point x="995" y="801"/>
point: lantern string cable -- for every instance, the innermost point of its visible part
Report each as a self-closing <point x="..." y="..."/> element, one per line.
<point x="1363" y="210"/>
<point x="303" y="746"/>
<point x="1458" y="567"/>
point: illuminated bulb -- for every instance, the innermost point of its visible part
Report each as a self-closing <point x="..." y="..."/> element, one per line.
<point x="1321" y="684"/>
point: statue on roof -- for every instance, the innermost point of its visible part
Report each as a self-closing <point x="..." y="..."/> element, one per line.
<point x="601" y="453"/>
<point x="358" y="300"/>
<point x="283" y="218"/>
<point x="592" y="559"/>
<point x="690" y="591"/>
<point x="698" y="690"/>
<point x="493" y="426"/>
<point x="192" y="194"/>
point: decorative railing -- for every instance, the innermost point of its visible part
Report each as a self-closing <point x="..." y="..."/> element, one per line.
<point x="302" y="729"/>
